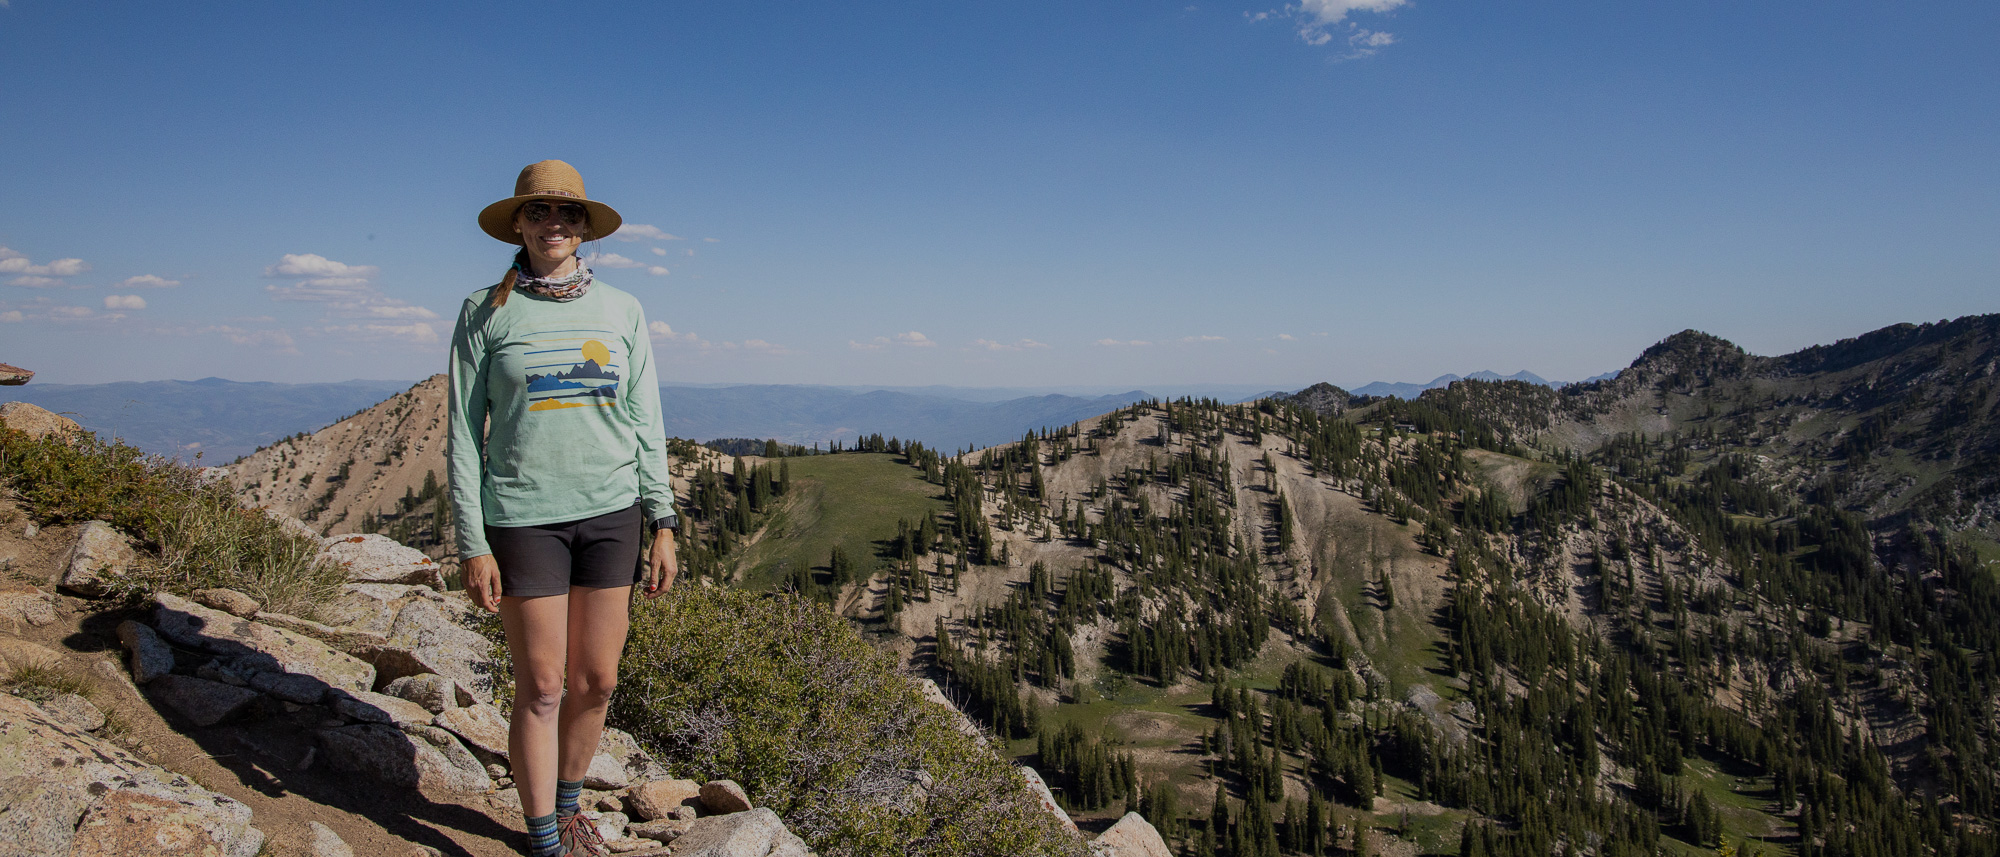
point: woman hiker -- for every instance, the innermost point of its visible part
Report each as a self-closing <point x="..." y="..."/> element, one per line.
<point x="558" y="465"/>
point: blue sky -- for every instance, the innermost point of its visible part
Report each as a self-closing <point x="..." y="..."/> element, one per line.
<point x="1077" y="193"/>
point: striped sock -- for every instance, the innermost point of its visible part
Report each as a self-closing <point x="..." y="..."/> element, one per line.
<point x="542" y="839"/>
<point x="566" y="795"/>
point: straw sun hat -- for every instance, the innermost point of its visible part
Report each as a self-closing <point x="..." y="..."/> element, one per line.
<point x="551" y="180"/>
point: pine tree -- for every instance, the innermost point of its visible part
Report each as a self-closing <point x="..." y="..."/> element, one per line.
<point x="1218" y="817"/>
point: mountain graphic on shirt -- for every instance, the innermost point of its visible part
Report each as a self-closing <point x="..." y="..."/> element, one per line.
<point x="592" y="381"/>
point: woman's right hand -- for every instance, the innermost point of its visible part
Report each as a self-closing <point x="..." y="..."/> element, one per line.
<point x="481" y="575"/>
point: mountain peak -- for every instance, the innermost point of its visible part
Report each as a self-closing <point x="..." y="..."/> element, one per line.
<point x="1692" y="355"/>
<point x="1323" y="398"/>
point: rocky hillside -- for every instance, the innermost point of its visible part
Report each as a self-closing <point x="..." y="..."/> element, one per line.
<point x="374" y="720"/>
<point x="380" y="470"/>
<point x="367" y="468"/>
<point x="1716" y="597"/>
<point x="1899" y="424"/>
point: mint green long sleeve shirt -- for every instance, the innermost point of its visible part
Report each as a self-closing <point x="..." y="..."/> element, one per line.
<point x="574" y="412"/>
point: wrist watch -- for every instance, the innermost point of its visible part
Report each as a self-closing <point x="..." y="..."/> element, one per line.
<point x="668" y="521"/>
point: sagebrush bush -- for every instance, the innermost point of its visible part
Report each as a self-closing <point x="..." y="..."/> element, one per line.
<point x="787" y="699"/>
<point x="203" y="539"/>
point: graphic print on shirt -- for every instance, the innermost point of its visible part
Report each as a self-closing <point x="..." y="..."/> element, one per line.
<point x="582" y="372"/>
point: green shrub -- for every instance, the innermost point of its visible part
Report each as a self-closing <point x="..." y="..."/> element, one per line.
<point x="784" y="697"/>
<point x="202" y="537"/>
<point x="215" y="543"/>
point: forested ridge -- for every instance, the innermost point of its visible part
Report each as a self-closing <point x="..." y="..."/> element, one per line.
<point x="1717" y="602"/>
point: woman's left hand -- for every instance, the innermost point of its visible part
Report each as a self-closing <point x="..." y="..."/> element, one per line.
<point x="661" y="565"/>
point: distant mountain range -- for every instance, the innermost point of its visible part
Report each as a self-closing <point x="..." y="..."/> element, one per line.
<point x="218" y="418"/>
<point x="807" y="415"/>
<point x="223" y="419"/>
<point x="1407" y="390"/>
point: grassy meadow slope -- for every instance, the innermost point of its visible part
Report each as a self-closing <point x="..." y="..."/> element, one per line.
<point x="850" y="501"/>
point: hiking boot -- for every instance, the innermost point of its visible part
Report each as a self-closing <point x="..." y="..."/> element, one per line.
<point x="579" y="837"/>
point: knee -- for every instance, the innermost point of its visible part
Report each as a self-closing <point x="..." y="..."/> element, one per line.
<point x="593" y="687"/>
<point x="539" y="696"/>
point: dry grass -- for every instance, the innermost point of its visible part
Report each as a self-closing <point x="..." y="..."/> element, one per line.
<point x="201" y="537"/>
<point x="43" y="682"/>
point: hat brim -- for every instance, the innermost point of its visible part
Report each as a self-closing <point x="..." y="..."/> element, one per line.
<point x="497" y="219"/>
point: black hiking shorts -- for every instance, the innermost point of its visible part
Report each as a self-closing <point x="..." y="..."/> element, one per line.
<point x="547" y="559"/>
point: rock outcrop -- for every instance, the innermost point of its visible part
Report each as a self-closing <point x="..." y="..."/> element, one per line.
<point x="1048" y="798"/>
<point x="64" y="791"/>
<point x="35" y="421"/>
<point x="1132" y="836"/>
<point x="100" y="556"/>
<point x="372" y="558"/>
<point x="430" y="636"/>
<point x="248" y="647"/>
<point x="14" y="376"/>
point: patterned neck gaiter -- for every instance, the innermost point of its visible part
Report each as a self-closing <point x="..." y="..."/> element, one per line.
<point x="555" y="288"/>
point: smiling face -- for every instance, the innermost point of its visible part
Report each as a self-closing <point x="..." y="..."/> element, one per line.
<point x="551" y="242"/>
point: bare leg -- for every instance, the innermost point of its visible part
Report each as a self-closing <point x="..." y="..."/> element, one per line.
<point x="597" y="622"/>
<point x="538" y="638"/>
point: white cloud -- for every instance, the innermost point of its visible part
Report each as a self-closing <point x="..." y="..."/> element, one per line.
<point x="657" y="271"/>
<point x="414" y="331"/>
<point x="277" y="340"/>
<point x="1018" y="345"/>
<point x="393" y="309"/>
<point x="611" y="260"/>
<point x="325" y="279"/>
<point x="1203" y="338"/>
<point x="912" y="339"/>
<point x="124" y="302"/>
<point x="35" y="276"/>
<point x="11" y="315"/>
<point x="317" y="267"/>
<point x="346" y="291"/>
<point x="71" y="312"/>
<point x="317" y="291"/>
<point x="660" y="331"/>
<point x="148" y="281"/>
<point x="712" y="240"/>
<point x="19" y="264"/>
<point x="1326" y="12"/>
<point x="1286" y="337"/>
<point x="643" y="232"/>
<point x="659" y="251"/>
<point x="1316" y="19"/>
<point x="1118" y="342"/>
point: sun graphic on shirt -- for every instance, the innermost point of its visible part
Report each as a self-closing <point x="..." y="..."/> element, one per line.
<point x="594" y="350"/>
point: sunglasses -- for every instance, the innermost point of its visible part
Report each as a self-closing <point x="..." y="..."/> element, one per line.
<point x="538" y="211"/>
